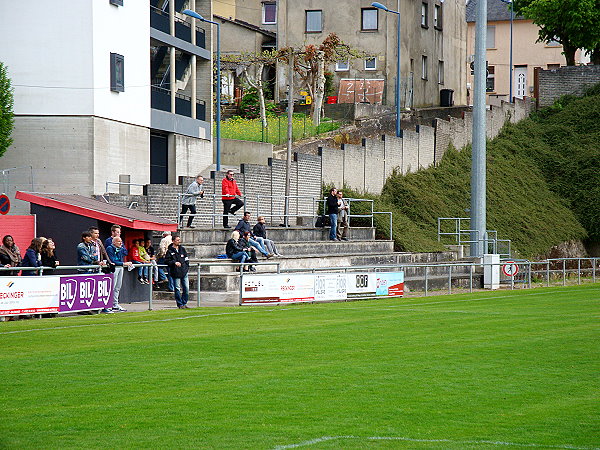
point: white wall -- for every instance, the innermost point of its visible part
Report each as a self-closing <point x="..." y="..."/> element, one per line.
<point x="48" y="44"/>
<point x="124" y="30"/>
<point x="58" y="57"/>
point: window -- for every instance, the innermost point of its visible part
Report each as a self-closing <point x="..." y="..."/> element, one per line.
<point x="440" y="72"/>
<point x="491" y="37"/>
<point x="553" y="43"/>
<point x="424" y="67"/>
<point x="371" y="64"/>
<point x="553" y="66"/>
<point x="424" y="9"/>
<point x="342" y="66"/>
<point x="117" y="77"/>
<point x="369" y="19"/>
<point x="490" y="81"/>
<point x="314" y="21"/>
<point x="437" y="17"/>
<point x="269" y="16"/>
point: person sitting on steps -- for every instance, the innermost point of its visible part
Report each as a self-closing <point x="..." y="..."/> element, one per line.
<point x="260" y="231"/>
<point x="229" y="191"/>
<point x="245" y="242"/>
<point x="243" y="227"/>
<point x="235" y="250"/>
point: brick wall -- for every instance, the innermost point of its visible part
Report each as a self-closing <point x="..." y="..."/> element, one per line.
<point x="574" y="80"/>
<point x="426" y="146"/>
<point x="393" y="154"/>
<point x="362" y="167"/>
<point x="374" y="165"/>
<point x="410" y="151"/>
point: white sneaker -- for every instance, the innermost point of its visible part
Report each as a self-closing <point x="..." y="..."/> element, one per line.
<point x="107" y="311"/>
<point x="118" y="308"/>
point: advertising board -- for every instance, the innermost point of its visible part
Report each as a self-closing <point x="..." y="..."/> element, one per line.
<point x="54" y="294"/>
<point x="28" y="295"/>
<point x="260" y="289"/>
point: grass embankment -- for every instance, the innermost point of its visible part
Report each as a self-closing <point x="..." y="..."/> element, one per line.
<point x="488" y="370"/>
<point x="543" y="184"/>
<point x="276" y="131"/>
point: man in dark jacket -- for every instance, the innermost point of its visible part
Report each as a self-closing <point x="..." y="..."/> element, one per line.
<point x="178" y="262"/>
<point x="332" y="211"/>
<point x="244" y="226"/>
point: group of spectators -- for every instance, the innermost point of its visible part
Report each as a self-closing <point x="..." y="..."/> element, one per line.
<point x="337" y="210"/>
<point x="40" y="253"/>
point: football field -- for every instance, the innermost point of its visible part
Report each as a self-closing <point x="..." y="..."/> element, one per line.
<point x="502" y="369"/>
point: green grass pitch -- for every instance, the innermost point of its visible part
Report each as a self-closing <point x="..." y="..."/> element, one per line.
<point x="503" y="369"/>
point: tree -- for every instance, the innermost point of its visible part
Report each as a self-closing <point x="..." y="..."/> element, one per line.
<point x="244" y="61"/>
<point x="311" y="63"/>
<point x="6" y="109"/>
<point x="573" y="23"/>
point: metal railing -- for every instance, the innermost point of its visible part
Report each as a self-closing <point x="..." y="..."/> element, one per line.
<point x="121" y="183"/>
<point x="273" y="207"/>
<point x="490" y="240"/>
<point x="451" y="274"/>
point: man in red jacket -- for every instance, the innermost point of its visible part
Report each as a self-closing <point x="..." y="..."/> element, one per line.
<point x="229" y="190"/>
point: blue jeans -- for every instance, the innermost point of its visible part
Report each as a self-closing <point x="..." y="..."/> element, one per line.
<point x="333" y="229"/>
<point x="259" y="247"/>
<point x="182" y="289"/>
<point x="142" y="271"/>
<point x="170" y="286"/>
<point x="241" y="257"/>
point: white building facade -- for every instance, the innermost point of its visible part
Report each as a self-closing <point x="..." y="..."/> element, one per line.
<point x="87" y="107"/>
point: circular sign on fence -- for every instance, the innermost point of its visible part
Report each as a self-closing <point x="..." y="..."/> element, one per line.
<point x="510" y="269"/>
<point x="4" y="204"/>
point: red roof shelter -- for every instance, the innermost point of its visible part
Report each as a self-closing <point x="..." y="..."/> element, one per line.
<point x="64" y="216"/>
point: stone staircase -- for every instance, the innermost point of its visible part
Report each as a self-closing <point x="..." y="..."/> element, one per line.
<point x="304" y="249"/>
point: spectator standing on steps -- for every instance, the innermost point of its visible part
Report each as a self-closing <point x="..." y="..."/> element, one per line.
<point x="178" y="261"/>
<point x="342" y="220"/>
<point x="230" y="191"/>
<point x="115" y="231"/>
<point x="332" y="212"/>
<point x="117" y="253"/>
<point x="188" y="201"/>
<point x="166" y="240"/>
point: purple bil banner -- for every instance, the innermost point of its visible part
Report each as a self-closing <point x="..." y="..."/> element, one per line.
<point x="85" y="292"/>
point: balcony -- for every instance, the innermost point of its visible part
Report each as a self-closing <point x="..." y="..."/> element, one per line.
<point x="160" y="99"/>
<point x="159" y="20"/>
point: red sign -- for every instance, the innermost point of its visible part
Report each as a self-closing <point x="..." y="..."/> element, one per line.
<point x="510" y="269"/>
<point x="4" y="204"/>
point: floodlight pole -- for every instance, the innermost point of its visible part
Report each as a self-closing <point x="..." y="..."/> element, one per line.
<point x="478" y="163"/>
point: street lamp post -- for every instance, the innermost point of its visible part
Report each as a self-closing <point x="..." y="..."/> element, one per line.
<point x="510" y="63"/>
<point x="195" y="15"/>
<point x="398" y="118"/>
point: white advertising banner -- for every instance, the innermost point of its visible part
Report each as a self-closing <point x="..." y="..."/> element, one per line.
<point x="28" y="295"/>
<point x="293" y="288"/>
<point x="288" y="288"/>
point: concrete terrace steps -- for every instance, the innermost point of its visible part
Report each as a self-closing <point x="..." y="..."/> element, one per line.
<point x="323" y="248"/>
<point x="278" y="234"/>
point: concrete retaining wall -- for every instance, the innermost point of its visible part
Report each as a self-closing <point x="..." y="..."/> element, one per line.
<point x="574" y="80"/>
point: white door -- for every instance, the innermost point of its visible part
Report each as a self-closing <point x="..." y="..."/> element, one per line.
<point x="520" y="82"/>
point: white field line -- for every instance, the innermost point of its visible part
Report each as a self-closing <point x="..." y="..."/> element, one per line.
<point x="196" y="316"/>
<point x="433" y="441"/>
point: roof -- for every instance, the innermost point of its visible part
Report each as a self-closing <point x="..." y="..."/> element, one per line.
<point x="241" y="23"/>
<point x="95" y="209"/>
<point x="497" y="10"/>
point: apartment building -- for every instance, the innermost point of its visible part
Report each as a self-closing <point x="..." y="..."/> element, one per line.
<point x="433" y="44"/>
<point x="106" y="91"/>
<point x="528" y="54"/>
